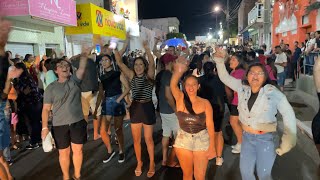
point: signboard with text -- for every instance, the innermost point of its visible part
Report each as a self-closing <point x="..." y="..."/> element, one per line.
<point x="92" y="19"/>
<point x="14" y="7"/>
<point x="61" y="11"/>
<point x="58" y="11"/>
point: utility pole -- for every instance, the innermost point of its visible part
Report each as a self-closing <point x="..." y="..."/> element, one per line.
<point x="228" y="20"/>
<point x="267" y="23"/>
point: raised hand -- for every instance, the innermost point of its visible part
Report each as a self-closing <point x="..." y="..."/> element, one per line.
<point x="86" y="51"/>
<point x="220" y="55"/>
<point x="181" y="65"/>
<point x="145" y="44"/>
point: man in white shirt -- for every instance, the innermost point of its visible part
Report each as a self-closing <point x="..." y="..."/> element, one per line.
<point x="309" y="55"/>
<point x="280" y="63"/>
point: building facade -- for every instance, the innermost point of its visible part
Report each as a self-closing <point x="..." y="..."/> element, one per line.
<point x="291" y="23"/>
<point x="37" y="25"/>
<point x="166" y="25"/>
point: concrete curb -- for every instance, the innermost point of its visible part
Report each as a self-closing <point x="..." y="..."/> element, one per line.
<point x="305" y="129"/>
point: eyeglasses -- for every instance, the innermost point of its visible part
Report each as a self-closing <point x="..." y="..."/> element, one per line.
<point x="251" y="73"/>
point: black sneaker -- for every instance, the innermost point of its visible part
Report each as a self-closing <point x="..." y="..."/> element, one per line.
<point x="33" y="146"/>
<point x="109" y="157"/>
<point x="121" y="158"/>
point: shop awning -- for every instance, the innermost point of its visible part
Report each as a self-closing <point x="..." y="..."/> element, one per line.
<point x="92" y="19"/>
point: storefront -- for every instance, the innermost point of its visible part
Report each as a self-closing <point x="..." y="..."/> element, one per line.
<point x="291" y="23"/>
<point x="94" y="22"/>
<point x="37" y="26"/>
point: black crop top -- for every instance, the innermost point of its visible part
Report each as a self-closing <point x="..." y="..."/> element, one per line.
<point x="111" y="83"/>
<point x="192" y="123"/>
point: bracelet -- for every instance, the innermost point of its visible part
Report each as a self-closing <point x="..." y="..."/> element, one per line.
<point x="44" y="128"/>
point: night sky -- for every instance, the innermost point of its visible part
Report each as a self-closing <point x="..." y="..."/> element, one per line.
<point x="189" y="12"/>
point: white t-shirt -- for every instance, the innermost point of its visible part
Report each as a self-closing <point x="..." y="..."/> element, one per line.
<point x="281" y="58"/>
<point x="310" y="43"/>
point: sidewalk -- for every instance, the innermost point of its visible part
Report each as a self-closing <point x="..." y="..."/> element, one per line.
<point x="303" y="110"/>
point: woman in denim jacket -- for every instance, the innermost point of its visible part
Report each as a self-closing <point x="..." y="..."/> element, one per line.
<point x="258" y="105"/>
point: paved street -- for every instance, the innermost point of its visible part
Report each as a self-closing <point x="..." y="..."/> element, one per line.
<point x="299" y="164"/>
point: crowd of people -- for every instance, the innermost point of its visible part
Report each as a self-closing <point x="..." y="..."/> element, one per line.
<point x="193" y="87"/>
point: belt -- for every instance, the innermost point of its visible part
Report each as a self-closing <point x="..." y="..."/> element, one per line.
<point x="143" y="101"/>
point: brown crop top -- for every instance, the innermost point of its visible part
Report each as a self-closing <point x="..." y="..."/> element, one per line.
<point x="192" y="123"/>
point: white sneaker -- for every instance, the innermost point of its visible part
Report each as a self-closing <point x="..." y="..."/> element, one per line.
<point x="236" y="149"/>
<point x="219" y="161"/>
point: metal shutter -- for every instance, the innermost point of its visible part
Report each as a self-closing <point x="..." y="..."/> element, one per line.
<point x="20" y="48"/>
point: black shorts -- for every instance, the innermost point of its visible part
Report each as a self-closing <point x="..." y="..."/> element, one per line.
<point x="234" y="110"/>
<point x="218" y="115"/>
<point x="75" y="133"/>
<point x="142" y="113"/>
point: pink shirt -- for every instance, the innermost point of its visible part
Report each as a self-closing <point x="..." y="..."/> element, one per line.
<point x="270" y="73"/>
<point x="238" y="74"/>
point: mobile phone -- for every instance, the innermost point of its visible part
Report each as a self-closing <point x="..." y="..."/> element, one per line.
<point x="113" y="43"/>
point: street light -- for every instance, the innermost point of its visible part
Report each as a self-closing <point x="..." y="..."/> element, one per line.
<point x="227" y="13"/>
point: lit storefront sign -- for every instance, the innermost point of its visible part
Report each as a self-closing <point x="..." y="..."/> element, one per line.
<point x="92" y="19"/>
<point x="57" y="11"/>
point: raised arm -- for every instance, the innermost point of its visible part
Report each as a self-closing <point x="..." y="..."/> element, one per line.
<point x="83" y="62"/>
<point x="180" y="67"/>
<point x="233" y="83"/>
<point x="289" y="137"/>
<point x="151" y="65"/>
<point x="126" y="88"/>
<point x="155" y="51"/>
<point x="126" y="71"/>
<point x="125" y="46"/>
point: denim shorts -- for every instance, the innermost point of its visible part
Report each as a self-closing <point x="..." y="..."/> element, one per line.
<point x="4" y="127"/>
<point x="110" y="107"/>
<point x="192" y="142"/>
<point x="281" y="78"/>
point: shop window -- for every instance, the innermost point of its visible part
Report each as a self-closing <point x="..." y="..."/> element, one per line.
<point x="294" y="31"/>
<point x="305" y="19"/>
<point x="284" y="34"/>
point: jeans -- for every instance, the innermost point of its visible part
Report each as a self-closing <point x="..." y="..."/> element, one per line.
<point x="257" y="151"/>
<point x="4" y="126"/>
<point x="281" y="78"/>
<point x="309" y="63"/>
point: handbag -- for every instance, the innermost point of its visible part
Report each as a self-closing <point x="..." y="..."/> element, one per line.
<point x="48" y="143"/>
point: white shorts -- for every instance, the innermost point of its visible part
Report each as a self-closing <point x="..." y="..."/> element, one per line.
<point x="170" y="124"/>
<point x="89" y="100"/>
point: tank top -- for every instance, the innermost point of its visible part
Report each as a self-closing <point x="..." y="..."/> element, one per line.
<point x="192" y="123"/>
<point x="141" y="88"/>
<point x="111" y="83"/>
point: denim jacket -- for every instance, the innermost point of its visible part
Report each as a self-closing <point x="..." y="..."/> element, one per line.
<point x="262" y="116"/>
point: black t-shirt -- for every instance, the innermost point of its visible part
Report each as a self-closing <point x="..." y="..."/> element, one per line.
<point x="165" y="108"/>
<point x="212" y="89"/>
<point x="252" y="99"/>
<point x="318" y="42"/>
<point x="111" y="83"/>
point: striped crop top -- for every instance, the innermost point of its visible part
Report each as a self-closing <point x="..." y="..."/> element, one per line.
<point x="141" y="88"/>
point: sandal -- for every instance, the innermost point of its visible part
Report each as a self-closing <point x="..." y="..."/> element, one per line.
<point x="75" y="178"/>
<point x="138" y="172"/>
<point x="150" y="174"/>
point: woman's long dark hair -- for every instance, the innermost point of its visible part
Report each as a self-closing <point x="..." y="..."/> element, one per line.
<point x="145" y="62"/>
<point x="4" y="67"/>
<point x="241" y="61"/>
<point x="25" y="72"/>
<point x="186" y="99"/>
<point x="208" y="69"/>
<point x="266" y="74"/>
